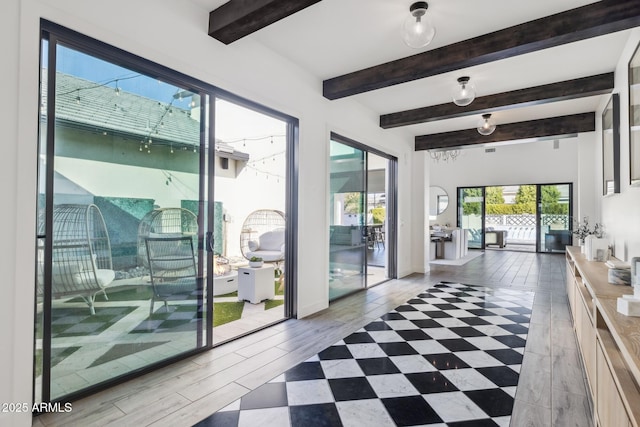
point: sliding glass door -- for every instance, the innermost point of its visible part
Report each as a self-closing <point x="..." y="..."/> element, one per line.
<point x="348" y="228"/>
<point x="129" y="234"/>
<point x="122" y="219"/>
<point x="362" y="217"/>
<point x="471" y="214"/>
<point x="532" y="217"/>
<point x="554" y="217"/>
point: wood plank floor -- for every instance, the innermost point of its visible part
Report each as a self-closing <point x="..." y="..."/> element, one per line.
<point x="551" y="390"/>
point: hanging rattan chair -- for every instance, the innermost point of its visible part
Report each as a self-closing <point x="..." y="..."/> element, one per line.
<point x="81" y="255"/>
<point x="263" y="236"/>
<point x="165" y="222"/>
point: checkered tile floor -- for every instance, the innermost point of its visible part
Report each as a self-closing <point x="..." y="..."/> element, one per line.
<point x="449" y="357"/>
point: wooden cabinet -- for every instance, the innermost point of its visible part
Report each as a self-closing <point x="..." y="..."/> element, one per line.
<point x="586" y="332"/>
<point x="609" y="407"/>
<point x="609" y="342"/>
<point x="571" y="285"/>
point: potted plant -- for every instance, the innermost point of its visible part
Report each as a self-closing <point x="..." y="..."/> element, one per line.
<point x="255" y="262"/>
<point x="582" y="230"/>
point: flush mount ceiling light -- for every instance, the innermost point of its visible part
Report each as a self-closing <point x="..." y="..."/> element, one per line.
<point x="464" y="93"/>
<point x="417" y="30"/>
<point x="486" y="125"/>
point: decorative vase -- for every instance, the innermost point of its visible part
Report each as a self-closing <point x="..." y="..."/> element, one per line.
<point x="255" y="264"/>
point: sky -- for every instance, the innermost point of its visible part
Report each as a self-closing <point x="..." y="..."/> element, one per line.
<point x="96" y="70"/>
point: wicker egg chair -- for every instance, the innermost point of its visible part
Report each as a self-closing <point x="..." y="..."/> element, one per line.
<point x="81" y="255"/>
<point x="263" y="236"/>
<point x="165" y="222"/>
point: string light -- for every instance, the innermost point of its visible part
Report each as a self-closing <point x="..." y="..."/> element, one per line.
<point x="258" y="138"/>
<point x="168" y="110"/>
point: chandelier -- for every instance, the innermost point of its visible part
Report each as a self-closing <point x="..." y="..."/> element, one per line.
<point x="445" y="155"/>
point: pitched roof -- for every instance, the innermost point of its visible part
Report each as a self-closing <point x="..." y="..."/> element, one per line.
<point x="87" y="105"/>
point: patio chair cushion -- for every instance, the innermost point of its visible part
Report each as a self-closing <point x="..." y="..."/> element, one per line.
<point x="270" y="246"/>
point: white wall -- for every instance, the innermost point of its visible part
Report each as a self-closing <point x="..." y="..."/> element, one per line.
<point x="620" y="213"/>
<point x="420" y="191"/>
<point x="174" y="34"/>
<point x="526" y="163"/>
<point x="14" y="359"/>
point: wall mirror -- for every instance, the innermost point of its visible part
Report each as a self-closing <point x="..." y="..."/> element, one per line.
<point x="438" y="200"/>
<point x="611" y="146"/>
<point x="634" y="116"/>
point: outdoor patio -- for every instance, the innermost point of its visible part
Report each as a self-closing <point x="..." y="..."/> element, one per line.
<point x="121" y="336"/>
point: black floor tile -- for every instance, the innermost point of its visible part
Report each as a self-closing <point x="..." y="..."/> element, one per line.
<point x="518" y="318"/>
<point x="458" y="345"/>
<point x="512" y="341"/>
<point x="304" y="371"/>
<point x="445" y="361"/>
<point x="377" y="326"/>
<point x="521" y="310"/>
<point x="436" y="314"/>
<point x="486" y="422"/>
<point x="467" y="331"/>
<point x="515" y="328"/>
<point x="335" y="352"/>
<point x="507" y="356"/>
<point x="431" y="382"/>
<point x="359" y="338"/>
<point x="397" y="348"/>
<point x="318" y="415"/>
<point x="481" y="312"/>
<point x="501" y="376"/>
<point x="406" y="308"/>
<point x="351" y="389"/>
<point x="378" y="366"/>
<point x="426" y="323"/>
<point x="413" y="334"/>
<point x="474" y="321"/>
<point x="487" y="304"/>
<point x="495" y="402"/>
<point x="411" y="411"/>
<point x="220" y="419"/>
<point x="393" y="316"/>
<point x="446" y="306"/>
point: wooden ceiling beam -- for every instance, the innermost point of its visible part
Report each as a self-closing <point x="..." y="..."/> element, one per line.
<point x="596" y="19"/>
<point x="238" y="18"/>
<point x="559" y="91"/>
<point x="532" y="129"/>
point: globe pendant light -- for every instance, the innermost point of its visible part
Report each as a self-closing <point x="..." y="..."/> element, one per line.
<point x="417" y="30"/>
<point x="464" y="93"/>
<point x="485" y="125"/>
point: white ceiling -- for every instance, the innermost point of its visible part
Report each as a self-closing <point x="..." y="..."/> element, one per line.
<point x="335" y="37"/>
